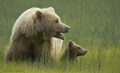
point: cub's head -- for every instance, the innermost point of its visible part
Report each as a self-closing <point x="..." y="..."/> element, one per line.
<point x="75" y="49"/>
<point x="51" y="23"/>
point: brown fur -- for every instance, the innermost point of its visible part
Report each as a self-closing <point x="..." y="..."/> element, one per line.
<point x="33" y="48"/>
<point x="32" y="34"/>
<point x="19" y="51"/>
<point x="72" y="52"/>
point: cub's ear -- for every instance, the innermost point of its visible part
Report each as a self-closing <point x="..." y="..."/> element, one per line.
<point x="70" y="43"/>
<point x="51" y="8"/>
<point x="39" y="14"/>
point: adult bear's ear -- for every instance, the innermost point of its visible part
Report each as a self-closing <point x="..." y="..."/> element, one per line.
<point x="38" y="14"/>
<point x="51" y="8"/>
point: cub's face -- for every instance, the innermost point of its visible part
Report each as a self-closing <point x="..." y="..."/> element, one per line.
<point x="53" y="23"/>
<point x="76" y="49"/>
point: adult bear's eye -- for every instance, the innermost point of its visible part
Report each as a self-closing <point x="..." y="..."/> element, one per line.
<point x="56" y="21"/>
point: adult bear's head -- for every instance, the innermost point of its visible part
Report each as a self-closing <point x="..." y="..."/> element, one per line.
<point x="50" y="23"/>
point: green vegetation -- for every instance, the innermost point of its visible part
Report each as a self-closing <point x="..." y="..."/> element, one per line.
<point x="95" y="25"/>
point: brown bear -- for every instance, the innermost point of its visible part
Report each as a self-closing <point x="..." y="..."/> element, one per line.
<point x="72" y="52"/>
<point x="34" y="34"/>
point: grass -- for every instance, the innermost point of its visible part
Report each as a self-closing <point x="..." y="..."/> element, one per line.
<point x="95" y="25"/>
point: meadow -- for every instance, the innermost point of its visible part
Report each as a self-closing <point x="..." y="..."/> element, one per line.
<point x="95" y="25"/>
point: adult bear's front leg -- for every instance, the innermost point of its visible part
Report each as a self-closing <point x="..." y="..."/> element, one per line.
<point x="42" y="50"/>
<point x="20" y="50"/>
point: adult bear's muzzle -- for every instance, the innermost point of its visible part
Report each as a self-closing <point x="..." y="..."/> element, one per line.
<point x="60" y="30"/>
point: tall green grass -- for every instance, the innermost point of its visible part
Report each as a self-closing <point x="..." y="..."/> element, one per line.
<point x="95" y="25"/>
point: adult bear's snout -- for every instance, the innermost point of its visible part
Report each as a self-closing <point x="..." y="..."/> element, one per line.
<point x="67" y="29"/>
<point x="63" y="28"/>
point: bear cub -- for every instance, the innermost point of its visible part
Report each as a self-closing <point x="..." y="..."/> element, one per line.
<point x="72" y="52"/>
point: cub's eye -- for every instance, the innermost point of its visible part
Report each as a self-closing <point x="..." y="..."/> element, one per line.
<point x="56" y="21"/>
<point x="79" y="48"/>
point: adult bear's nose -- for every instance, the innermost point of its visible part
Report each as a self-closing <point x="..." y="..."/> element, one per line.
<point x="67" y="28"/>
